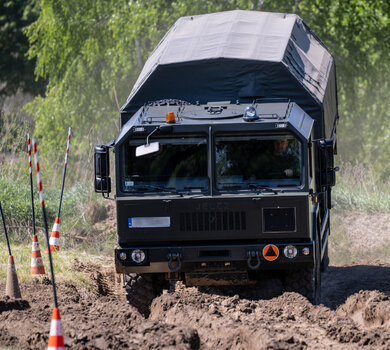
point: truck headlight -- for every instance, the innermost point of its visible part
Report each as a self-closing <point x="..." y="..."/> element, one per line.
<point x="290" y="251"/>
<point x="138" y="256"/>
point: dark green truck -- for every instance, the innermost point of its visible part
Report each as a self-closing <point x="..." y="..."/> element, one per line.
<point x="224" y="161"/>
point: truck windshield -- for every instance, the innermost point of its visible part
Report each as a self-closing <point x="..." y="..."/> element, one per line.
<point x="256" y="161"/>
<point x="180" y="165"/>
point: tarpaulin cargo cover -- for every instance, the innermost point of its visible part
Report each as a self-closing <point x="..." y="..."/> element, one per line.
<point x="241" y="55"/>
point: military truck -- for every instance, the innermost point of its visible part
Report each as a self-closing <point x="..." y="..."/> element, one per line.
<point x="224" y="160"/>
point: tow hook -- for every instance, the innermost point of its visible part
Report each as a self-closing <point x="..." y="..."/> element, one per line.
<point x="174" y="257"/>
<point x="253" y="255"/>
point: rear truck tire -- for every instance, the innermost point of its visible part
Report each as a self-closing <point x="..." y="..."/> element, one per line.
<point x="141" y="289"/>
<point x="307" y="281"/>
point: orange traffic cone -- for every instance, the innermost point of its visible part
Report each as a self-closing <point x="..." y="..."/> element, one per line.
<point x="12" y="286"/>
<point x="54" y="241"/>
<point x="56" y="338"/>
<point x="37" y="267"/>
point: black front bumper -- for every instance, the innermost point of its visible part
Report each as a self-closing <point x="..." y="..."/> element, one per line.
<point x="198" y="258"/>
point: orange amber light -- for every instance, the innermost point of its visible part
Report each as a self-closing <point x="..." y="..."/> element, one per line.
<point x="170" y="118"/>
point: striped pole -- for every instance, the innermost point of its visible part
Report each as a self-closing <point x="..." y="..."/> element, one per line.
<point x="31" y="182"/>
<point x="37" y="267"/>
<point x="42" y="200"/>
<point x="5" y="230"/>
<point x="55" y="233"/>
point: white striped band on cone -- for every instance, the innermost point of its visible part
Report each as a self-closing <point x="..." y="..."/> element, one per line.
<point x="37" y="267"/>
<point x="56" y="338"/>
<point x="39" y="181"/>
<point x="54" y="241"/>
<point x="67" y="146"/>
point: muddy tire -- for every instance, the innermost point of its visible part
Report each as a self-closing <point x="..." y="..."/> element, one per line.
<point x="300" y="281"/>
<point x="141" y="289"/>
<point x="306" y="282"/>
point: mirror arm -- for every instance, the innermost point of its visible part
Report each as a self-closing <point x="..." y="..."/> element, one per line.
<point x="147" y="138"/>
<point x="107" y="197"/>
<point x="110" y="144"/>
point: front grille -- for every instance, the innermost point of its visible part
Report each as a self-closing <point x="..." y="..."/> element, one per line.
<point x="213" y="221"/>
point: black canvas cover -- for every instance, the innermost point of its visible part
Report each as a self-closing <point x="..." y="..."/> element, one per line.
<point x="241" y="55"/>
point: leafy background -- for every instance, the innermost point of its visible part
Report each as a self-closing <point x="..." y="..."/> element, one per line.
<point x="73" y="63"/>
<point x="89" y="53"/>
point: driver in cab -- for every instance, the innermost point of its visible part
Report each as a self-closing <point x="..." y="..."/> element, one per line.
<point x="278" y="161"/>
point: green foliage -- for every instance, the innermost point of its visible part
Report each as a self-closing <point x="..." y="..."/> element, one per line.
<point x="16" y="72"/>
<point x="13" y="131"/>
<point x="358" y="34"/>
<point x="87" y="51"/>
<point x="91" y="53"/>
<point x="15" y="197"/>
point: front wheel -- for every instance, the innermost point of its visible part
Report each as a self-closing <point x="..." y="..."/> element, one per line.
<point x="306" y="282"/>
<point x="141" y="289"/>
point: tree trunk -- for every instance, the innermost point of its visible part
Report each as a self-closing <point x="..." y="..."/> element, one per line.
<point x="138" y="53"/>
<point x="261" y="2"/>
<point x="296" y="5"/>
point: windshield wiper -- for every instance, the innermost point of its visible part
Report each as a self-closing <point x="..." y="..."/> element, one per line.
<point x="232" y="185"/>
<point x="164" y="189"/>
<point x="243" y="185"/>
<point x="263" y="188"/>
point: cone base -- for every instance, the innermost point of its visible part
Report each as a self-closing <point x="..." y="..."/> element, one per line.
<point x="53" y="249"/>
<point x="12" y="288"/>
<point x="37" y="271"/>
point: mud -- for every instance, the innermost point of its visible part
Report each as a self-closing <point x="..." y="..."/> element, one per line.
<point x="355" y="314"/>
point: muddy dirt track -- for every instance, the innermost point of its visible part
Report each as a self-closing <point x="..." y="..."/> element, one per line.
<point x="355" y="314"/>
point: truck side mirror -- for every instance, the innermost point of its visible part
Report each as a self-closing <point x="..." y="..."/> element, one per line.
<point x="102" y="170"/>
<point x="154" y="147"/>
<point x="328" y="171"/>
<point x="146" y="149"/>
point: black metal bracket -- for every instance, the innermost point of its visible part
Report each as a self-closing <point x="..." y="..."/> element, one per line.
<point x="253" y="255"/>
<point x="174" y="257"/>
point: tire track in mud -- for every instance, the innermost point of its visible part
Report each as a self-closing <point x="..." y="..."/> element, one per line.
<point x="355" y="314"/>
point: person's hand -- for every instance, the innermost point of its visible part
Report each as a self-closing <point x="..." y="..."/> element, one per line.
<point x="288" y="172"/>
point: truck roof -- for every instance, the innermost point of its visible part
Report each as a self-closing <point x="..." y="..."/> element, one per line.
<point x="272" y="116"/>
<point x="240" y="56"/>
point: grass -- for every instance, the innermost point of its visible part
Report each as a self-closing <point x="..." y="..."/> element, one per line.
<point x="361" y="188"/>
<point x="80" y="210"/>
<point x="16" y="201"/>
<point x="83" y="236"/>
<point x="359" y="192"/>
<point x="63" y="262"/>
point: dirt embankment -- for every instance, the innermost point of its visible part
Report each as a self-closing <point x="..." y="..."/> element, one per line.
<point x="355" y="314"/>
